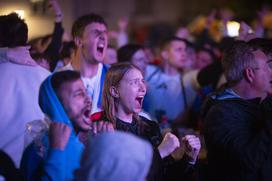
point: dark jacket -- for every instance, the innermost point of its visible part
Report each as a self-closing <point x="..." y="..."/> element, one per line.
<point x="161" y="169"/>
<point x="238" y="136"/>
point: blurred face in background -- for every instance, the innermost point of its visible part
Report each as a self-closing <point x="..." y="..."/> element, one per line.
<point x="175" y="54"/>
<point x="111" y="56"/>
<point x="203" y="59"/>
<point x="139" y="59"/>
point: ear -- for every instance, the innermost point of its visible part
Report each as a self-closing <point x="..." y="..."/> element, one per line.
<point x="114" y="92"/>
<point x="78" y="41"/>
<point x="249" y="75"/>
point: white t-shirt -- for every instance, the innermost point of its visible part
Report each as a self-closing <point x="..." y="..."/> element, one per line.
<point x="93" y="88"/>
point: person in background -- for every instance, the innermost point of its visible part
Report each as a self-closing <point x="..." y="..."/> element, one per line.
<point x="167" y="94"/>
<point x="135" y="54"/>
<point x="237" y="127"/>
<point x="19" y="86"/>
<point x="67" y="56"/>
<point x="111" y="56"/>
<point x="48" y="47"/>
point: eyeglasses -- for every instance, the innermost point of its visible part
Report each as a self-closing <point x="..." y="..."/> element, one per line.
<point x="269" y="63"/>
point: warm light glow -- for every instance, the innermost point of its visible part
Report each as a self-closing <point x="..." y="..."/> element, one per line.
<point x="36" y="1"/>
<point x="21" y="13"/>
<point x="233" y="28"/>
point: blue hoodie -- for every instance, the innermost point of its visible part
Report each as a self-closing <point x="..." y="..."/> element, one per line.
<point x="40" y="162"/>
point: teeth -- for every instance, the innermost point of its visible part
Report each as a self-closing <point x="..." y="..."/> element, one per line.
<point x="101" y="45"/>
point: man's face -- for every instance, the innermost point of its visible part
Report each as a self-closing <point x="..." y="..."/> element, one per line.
<point x="131" y="91"/>
<point x="94" y="42"/>
<point x="263" y="74"/>
<point x="175" y="54"/>
<point x="76" y="103"/>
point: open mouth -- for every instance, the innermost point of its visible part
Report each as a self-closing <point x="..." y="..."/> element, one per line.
<point x="100" y="48"/>
<point x="140" y="99"/>
<point x="87" y="115"/>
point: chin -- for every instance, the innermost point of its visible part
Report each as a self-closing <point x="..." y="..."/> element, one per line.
<point x="137" y="111"/>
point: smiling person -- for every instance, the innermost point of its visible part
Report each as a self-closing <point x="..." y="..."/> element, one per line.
<point x="90" y="35"/>
<point x="123" y="96"/>
<point x="55" y="155"/>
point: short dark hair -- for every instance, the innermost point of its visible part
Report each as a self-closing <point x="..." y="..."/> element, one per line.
<point x="83" y="21"/>
<point x="62" y="77"/>
<point x="13" y="31"/>
<point x="168" y="40"/>
<point x="126" y="52"/>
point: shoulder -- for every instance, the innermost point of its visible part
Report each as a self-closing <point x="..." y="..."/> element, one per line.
<point x="25" y="70"/>
<point x="227" y="113"/>
<point x="151" y="72"/>
<point x="150" y="123"/>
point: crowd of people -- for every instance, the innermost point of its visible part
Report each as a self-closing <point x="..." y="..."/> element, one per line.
<point x="90" y="109"/>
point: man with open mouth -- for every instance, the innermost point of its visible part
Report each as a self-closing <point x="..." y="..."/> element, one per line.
<point x="91" y="39"/>
<point x="56" y="154"/>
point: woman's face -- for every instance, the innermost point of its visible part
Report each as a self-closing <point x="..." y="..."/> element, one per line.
<point x="131" y="91"/>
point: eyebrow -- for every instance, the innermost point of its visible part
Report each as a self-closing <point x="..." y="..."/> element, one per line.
<point x="78" y="90"/>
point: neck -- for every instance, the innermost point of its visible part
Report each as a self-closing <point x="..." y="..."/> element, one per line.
<point x="246" y="91"/>
<point x="86" y="67"/>
<point x="170" y="70"/>
<point x="124" y="116"/>
<point x="88" y="70"/>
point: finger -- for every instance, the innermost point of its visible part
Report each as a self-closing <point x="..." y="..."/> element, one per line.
<point x="94" y="128"/>
<point x="104" y="127"/>
<point x="110" y="127"/>
<point x="100" y="126"/>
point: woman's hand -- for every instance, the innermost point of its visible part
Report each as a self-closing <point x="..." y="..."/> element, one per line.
<point x="169" y="143"/>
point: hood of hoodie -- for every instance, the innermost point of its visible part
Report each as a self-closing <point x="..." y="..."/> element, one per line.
<point x="217" y="97"/>
<point x="52" y="107"/>
<point x="114" y="156"/>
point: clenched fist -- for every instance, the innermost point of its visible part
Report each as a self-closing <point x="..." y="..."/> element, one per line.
<point x="169" y="143"/>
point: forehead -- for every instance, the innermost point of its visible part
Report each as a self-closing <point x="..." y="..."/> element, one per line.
<point x="133" y="74"/>
<point x="139" y="53"/>
<point x="176" y="44"/>
<point x="203" y="54"/>
<point x="260" y="57"/>
<point x="72" y="86"/>
<point x="95" y="26"/>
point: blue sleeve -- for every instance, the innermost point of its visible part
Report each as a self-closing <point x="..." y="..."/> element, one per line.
<point x="53" y="166"/>
<point x="35" y="168"/>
